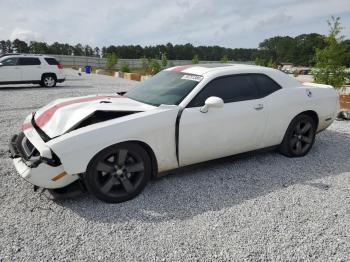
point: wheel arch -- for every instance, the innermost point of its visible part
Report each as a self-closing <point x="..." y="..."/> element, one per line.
<point x="311" y="114"/>
<point x="47" y="74"/>
<point x="145" y="146"/>
<point x="150" y="152"/>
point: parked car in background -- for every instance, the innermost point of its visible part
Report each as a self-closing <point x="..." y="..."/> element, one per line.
<point x="114" y="144"/>
<point x="30" y="69"/>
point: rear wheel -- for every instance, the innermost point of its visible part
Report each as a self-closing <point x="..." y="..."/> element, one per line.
<point x="118" y="173"/>
<point x="48" y="81"/>
<point x="300" y="137"/>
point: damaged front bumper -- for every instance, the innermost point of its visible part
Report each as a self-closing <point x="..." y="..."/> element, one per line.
<point x="36" y="163"/>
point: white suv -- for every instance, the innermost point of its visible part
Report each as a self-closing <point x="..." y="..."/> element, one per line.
<point x="35" y="69"/>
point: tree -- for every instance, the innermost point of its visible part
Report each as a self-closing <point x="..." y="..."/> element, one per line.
<point x="329" y="69"/>
<point x="195" y="59"/>
<point x="306" y="45"/>
<point x="145" y="65"/>
<point x="2" y="47"/>
<point x="299" y="50"/>
<point x="78" y="50"/>
<point x="97" y="51"/>
<point x="164" y="60"/>
<point x="112" y="60"/>
<point x="281" y="48"/>
<point x="56" y="48"/>
<point x="88" y="51"/>
<point x="224" y="59"/>
<point x="125" y="68"/>
<point x="271" y="63"/>
<point x="20" y="46"/>
<point x="154" y="66"/>
<point x="38" y="47"/>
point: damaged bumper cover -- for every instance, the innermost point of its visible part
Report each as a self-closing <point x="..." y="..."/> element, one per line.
<point x="36" y="163"/>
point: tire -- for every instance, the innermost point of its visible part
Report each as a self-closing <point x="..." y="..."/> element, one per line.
<point x="48" y="80"/>
<point x="299" y="137"/>
<point x="118" y="173"/>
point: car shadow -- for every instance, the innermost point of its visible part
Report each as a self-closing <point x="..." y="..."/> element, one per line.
<point x="223" y="183"/>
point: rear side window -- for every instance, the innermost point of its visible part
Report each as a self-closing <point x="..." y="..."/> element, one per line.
<point x="29" y="61"/>
<point x="51" y="61"/>
<point x="265" y="85"/>
<point x="229" y="88"/>
<point x="9" y="61"/>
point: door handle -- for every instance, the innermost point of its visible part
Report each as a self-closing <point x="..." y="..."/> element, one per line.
<point x="258" y="106"/>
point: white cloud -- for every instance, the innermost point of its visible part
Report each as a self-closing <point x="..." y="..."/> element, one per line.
<point x="25" y="35"/>
<point x="231" y="23"/>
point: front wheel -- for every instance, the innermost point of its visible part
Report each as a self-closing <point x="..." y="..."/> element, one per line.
<point x="118" y="173"/>
<point x="299" y="137"/>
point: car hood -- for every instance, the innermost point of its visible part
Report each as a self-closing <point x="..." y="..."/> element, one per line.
<point x="64" y="115"/>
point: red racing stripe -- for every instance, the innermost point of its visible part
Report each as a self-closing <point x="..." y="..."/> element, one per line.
<point x="181" y="68"/>
<point x="47" y="115"/>
<point x="26" y="126"/>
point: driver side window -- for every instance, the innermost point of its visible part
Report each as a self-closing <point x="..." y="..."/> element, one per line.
<point x="9" y="61"/>
<point x="229" y="88"/>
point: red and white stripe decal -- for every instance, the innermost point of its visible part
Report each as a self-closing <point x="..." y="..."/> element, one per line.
<point x="47" y="115"/>
<point x="181" y="68"/>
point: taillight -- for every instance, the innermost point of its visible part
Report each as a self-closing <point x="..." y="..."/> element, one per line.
<point x="60" y="66"/>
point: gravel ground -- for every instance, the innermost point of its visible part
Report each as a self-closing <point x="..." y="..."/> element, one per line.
<point x="252" y="207"/>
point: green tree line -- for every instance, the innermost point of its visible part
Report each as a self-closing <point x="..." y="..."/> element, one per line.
<point x="299" y="50"/>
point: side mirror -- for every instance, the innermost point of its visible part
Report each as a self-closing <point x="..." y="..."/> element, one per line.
<point x="212" y="101"/>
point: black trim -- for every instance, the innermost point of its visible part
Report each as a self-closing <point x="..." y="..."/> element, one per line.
<point x="42" y="134"/>
<point x="21" y="61"/>
<point x="177" y="133"/>
<point x="13" y="147"/>
<point x="16" y="150"/>
<point x="20" y="82"/>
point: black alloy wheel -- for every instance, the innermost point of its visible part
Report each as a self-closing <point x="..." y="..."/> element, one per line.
<point x="118" y="173"/>
<point x="299" y="137"/>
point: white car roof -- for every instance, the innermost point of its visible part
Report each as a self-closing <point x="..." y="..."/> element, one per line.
<point x="216" y="70"/>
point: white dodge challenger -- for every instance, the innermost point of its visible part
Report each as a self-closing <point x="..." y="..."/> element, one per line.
<point x="114" y="144"/>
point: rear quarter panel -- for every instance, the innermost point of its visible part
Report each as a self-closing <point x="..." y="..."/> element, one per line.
<point x="287" y="103"/>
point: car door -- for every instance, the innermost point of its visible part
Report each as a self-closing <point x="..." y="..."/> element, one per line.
<point x="31" y="68"/>
<point x="279" y="117"/>
<point x="236" y="127"/>
<point x="9" y="71"/>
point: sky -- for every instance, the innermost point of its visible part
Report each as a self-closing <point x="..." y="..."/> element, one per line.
<point x="235" y="23"/>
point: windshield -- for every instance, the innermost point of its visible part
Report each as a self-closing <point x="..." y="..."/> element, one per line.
<point x="166" y="87"/>
<point x="3" y="58"/>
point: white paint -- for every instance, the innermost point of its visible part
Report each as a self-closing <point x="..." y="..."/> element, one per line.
<point x="29" y="73"/>
<point x="233" y="128"/>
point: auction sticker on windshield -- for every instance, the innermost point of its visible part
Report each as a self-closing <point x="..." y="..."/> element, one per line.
<point x="192" y="77"/>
